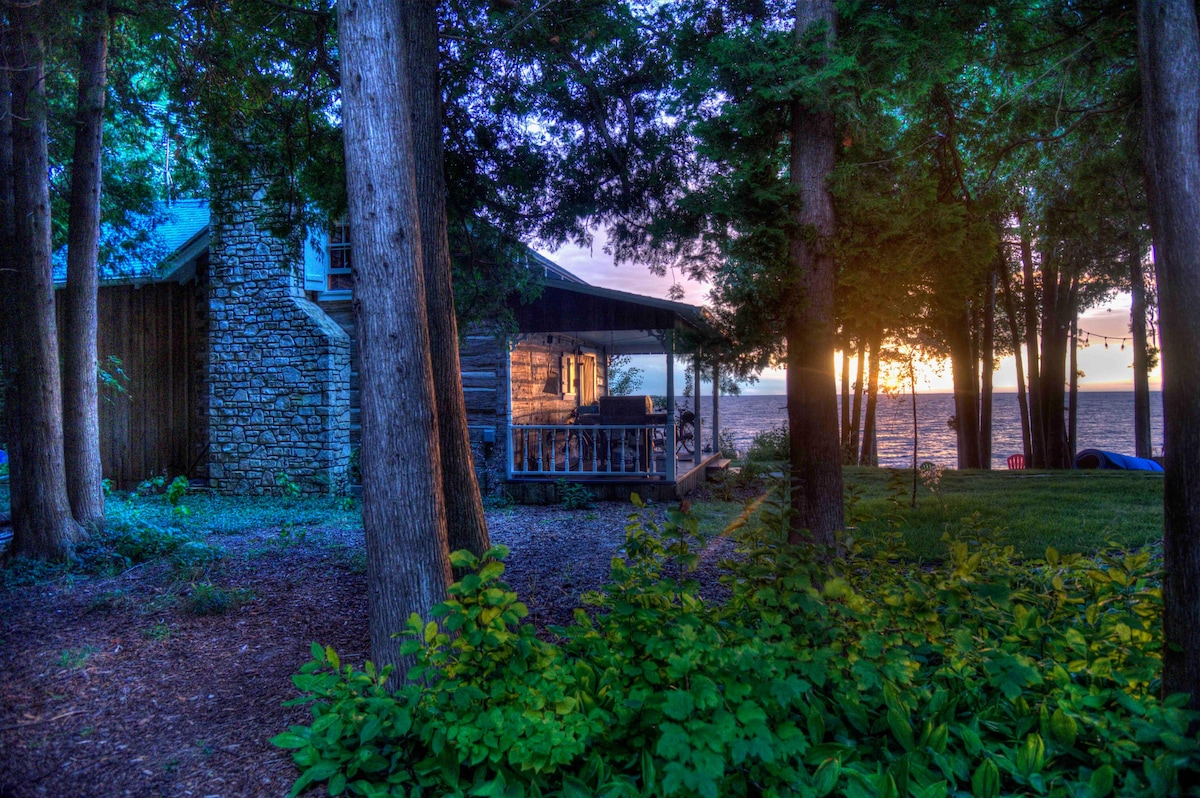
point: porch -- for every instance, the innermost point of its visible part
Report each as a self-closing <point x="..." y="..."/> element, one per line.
<point x="562" y="423"/>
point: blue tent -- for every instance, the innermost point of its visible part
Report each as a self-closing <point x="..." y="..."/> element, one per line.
<point x="1094" y="458"/>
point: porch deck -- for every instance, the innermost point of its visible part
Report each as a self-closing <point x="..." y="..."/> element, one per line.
<point x="611" y="460"/>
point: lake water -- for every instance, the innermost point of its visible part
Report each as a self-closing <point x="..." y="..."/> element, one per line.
<point x="1105" y="422"/>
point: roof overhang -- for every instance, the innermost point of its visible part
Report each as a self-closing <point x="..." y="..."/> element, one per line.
<point x="619" y="322"/>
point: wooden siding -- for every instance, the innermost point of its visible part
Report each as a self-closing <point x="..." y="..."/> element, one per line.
<point x="159" y="425"/>
<point x="536" y="374"/>
<point x="480" y="357"/>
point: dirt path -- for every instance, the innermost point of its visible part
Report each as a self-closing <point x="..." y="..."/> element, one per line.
<point x="111" y="687"/>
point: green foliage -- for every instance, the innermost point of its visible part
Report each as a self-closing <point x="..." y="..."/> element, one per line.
<point x="287" y="485"/>
<point x="573" y="496"/>
<point x="624" y="379"/>
<point x="770" y="445"/>
<point x="112" y="379"/>
<point x="177" y="490"/>
<point x="209" y="599"/>
<point x="870" y="676"/>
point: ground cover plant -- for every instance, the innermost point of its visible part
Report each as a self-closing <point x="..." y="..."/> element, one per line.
<point x="988" y="674"/>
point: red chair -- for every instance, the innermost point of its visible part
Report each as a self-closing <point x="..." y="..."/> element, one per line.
<point x="1016" y="462"/>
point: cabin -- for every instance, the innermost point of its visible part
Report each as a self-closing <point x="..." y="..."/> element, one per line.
<point x="231" y="359"/>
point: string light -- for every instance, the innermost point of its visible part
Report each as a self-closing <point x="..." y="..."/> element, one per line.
<point x="1087" y="339"/>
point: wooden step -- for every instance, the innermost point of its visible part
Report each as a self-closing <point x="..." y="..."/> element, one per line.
<point x="720" y="464"/>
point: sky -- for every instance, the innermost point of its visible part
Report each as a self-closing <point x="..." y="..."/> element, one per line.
<point x="1105" y="369"/>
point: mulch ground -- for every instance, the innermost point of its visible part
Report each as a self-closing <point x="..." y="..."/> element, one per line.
<point x="110" y="687"/>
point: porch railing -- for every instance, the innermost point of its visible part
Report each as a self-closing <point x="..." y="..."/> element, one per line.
<point x="561" y="450"/>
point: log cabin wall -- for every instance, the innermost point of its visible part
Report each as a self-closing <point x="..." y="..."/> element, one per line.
<point x="158" y="424"/>
<point x="537" y="396"/>
<point x="481" y="358"/>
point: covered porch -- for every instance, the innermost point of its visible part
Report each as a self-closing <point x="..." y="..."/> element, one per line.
<point x="563" y="424"/>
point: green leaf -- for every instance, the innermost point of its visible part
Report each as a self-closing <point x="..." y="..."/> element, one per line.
<point x="986" y="781"/>
<point x="337" y="784"/>
<point x="288" y="740"/>
<point x="1063" y="728"/>
<point x="826" y="777"/>
<point x="679" y="705"/>
<point x="1101" y="782"/>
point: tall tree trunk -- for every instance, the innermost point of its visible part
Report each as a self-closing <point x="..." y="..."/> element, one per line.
<point x="404" y="517"/>
<point x="1057" y="303"/>
<point x="465" y="522"/>
<point x="1142" y="442"/>
<point x="816" y="462"/>
<point x="81" y="418"/>
<point x="856" y="421"/>
<point x="1010" y="311"/>
<point x="1073" y="413"/>
<point x="1037" y="430"/>
<point x="42" y="522"/>
<point x="869" y="456"/>
<point x="1169" y="53"/>
<point x="987" y="364"/>
<point x="966" y="390"/>
<point x="844" y="396"/>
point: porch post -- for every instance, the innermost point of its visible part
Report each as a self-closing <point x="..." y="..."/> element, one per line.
<point x="670" y="347"/>
<point x="716" y="424"/>
<point x="699" y="439"/>
<point x="507" y="419"/>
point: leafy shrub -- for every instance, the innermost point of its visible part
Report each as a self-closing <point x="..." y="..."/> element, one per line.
<point x="209" y="599"/>
<point x="868" y="676"/>
<point x="177" y="490"/>
<point x="771" y="444"/>
<point x="573" y="496"/>
<point x="125" y="542"/>
<point x="287" y="486"/>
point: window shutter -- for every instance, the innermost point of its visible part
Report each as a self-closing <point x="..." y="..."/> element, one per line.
<point x="316" y="260"/>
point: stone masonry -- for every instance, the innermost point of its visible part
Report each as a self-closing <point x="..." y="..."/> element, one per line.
<point x="278" y="367"/>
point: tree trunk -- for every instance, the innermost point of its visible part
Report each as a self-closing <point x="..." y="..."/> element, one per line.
<point x="844" y="396"/>
<point x="816" y="463"/>
<point x="987" y="364"/>
<point x="42" y="523"/>
<point x="966" y="390"/>
<point x="1143" y="444"/>
<point x="1169" y="52"/>
<point x="1037" y="440"/>
<point x="81" y="418"/>
<point x="1010" y="312"/>
<point x="404" y="517"/>
<point x="465" y="522"/>
<point x="856" y="421"/>
<point x="869" y="456"/>
<point x="1073" y="413"/>
<point x="1057" y="302"/>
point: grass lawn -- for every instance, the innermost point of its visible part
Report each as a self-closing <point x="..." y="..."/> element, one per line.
<point x="1073" y="511"/>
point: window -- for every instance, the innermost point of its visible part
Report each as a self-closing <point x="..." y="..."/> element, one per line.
<point x="338" y="275"/>
<point x="567" y="375"/>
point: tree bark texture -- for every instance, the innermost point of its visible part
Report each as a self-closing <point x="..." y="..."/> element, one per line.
<point x="465" y="522"/>
<point x="404" y="517"/>
<point x="1010" y="312"/>
<point x="81" y="418"/>
<point x="1169" y="54"/>
<point x="1037" y="440"/>
<point x="1142" y="442"/>
<point x="856" y="409"/>
<point x="965" y="368"/>
<point x="42" y="523"/>
<point x="987" y="366"/>
<point x="816" y="463"/>
<point x="1073" y="405"/>
<point x="844" y="400"/>
<point x="870" y="449"/>
<point x="1059" y="295"/>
